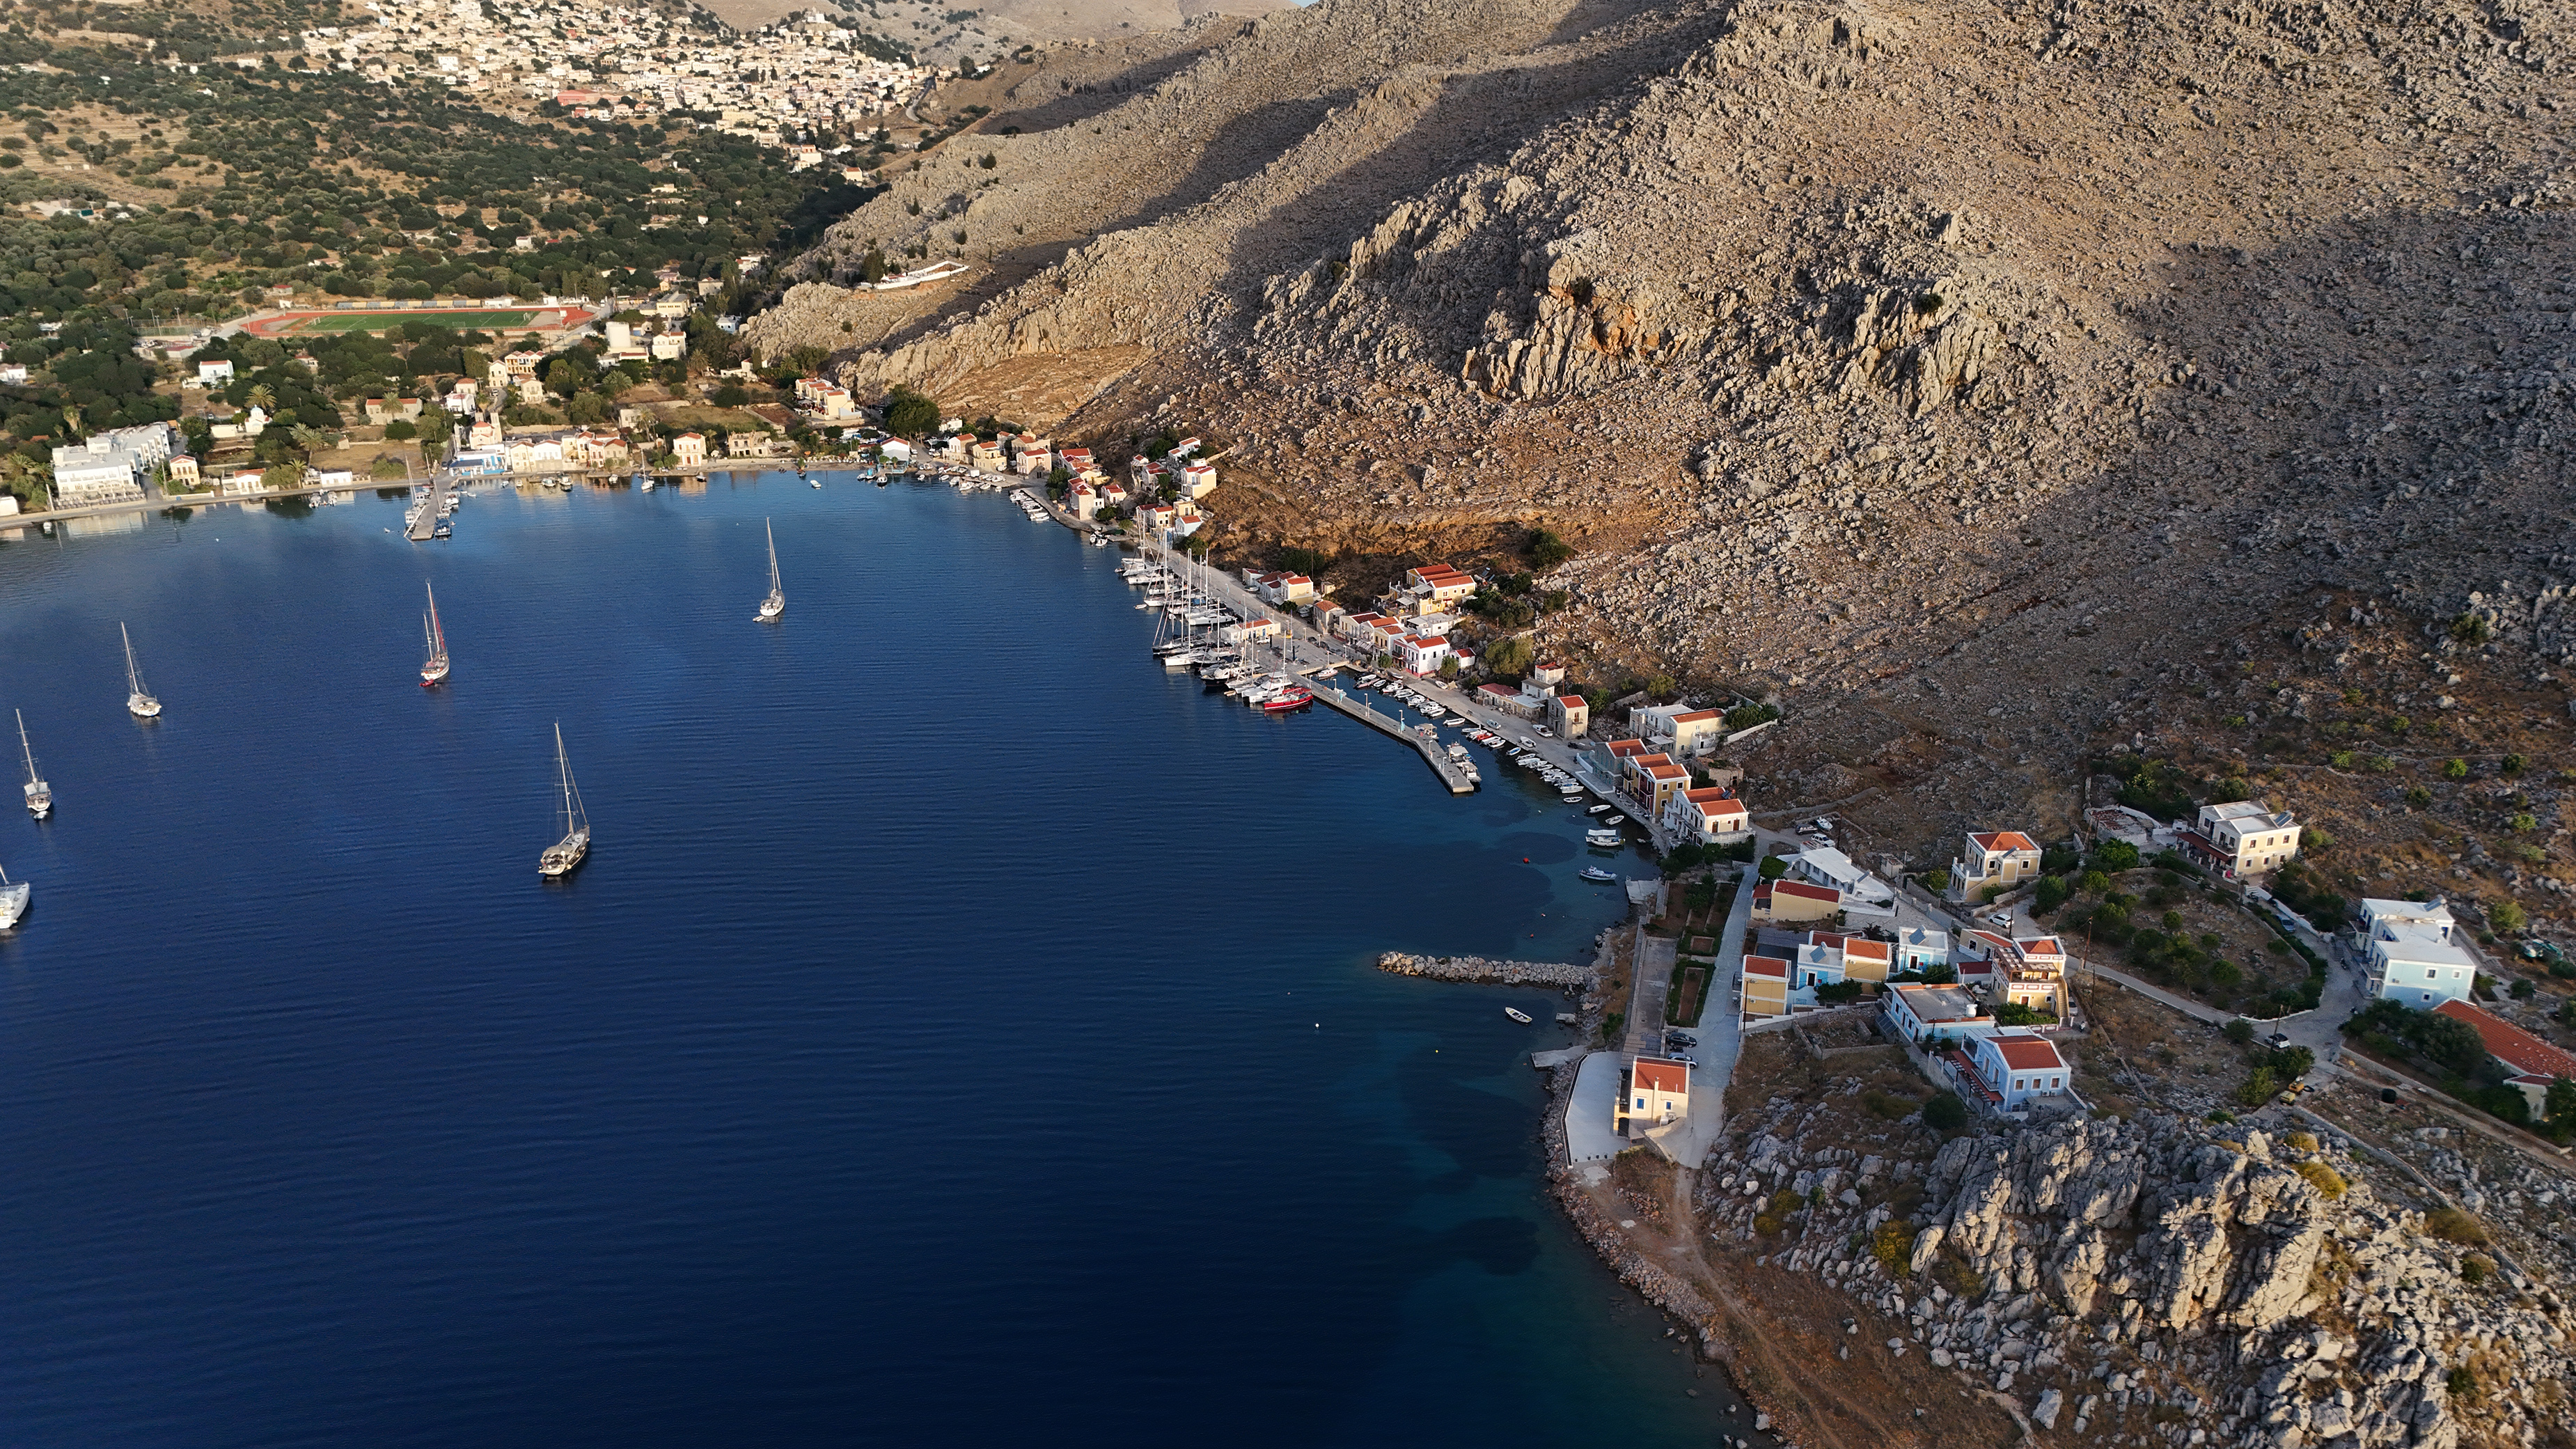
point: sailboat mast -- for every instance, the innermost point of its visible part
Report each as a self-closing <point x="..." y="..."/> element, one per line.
<point x="437" y="634"/>
<point x="133" y="680"/>
<point x="29" y="749"/>
<point x="563" y="763"/>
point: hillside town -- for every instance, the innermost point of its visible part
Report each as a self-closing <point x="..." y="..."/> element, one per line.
<point x="782" y="85"/>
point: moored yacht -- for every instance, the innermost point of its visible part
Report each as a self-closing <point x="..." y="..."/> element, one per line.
<point x="40" y="796"/>
<point x="13" y="900"/>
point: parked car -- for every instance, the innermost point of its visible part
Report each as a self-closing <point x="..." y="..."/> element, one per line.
<point x="1683" y="1037"/>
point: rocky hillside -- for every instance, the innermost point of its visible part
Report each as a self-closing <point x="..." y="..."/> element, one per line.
<point x="2157" y="1282"/>
<point x="1950" y="357"/>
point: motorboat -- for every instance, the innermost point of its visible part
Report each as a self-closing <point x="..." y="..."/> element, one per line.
<point x="1605" y="839"/>
<point x="1597" y="875"/>
<point x="1294" y="697"/>
<point x="1516" y="1014"/>
<point x="1597" y="809"/>
<point x="1616" y="820"/>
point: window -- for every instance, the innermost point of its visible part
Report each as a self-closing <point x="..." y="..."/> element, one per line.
<point x="1641" y="1104"/>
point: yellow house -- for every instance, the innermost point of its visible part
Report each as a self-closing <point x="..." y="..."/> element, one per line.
<point x="1658" y="1092"/>
<point x="1794" y="900"/>
<point x="1766" y="987"/>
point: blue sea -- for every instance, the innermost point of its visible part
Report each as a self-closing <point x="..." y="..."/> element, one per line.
<point x="963" y="1031"/>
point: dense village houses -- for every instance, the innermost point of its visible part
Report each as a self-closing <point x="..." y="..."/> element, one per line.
<point x="1997" y="860"/>
<point x="2411" y="954"/>
<point x="2244" y="838"/>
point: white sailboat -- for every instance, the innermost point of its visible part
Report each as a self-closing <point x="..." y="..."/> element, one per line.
<point x="138" y="702"/>
<point x="776" y="603"/>
<point x="566" y="853"/>
<point x="40" y="796"/>
<point x="13" y="900"/>
<point x="434" y="668"/>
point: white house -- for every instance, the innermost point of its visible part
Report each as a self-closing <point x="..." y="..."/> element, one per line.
<point x="2017" y="1066"/>
<point x="1920" y="947"/>
<point x="2413" y="958"/>
<point x="1422" y="653"/>
<point x="210" y="373"/>
<point x="1937" y="1013"/>
<point x="2244" y="838"/>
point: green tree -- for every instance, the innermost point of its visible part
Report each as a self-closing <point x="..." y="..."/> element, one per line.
<point x="873" y="270"/>
<point x="908" y="414"/>
<point x="2455" y="769"/>
<point x="399" y="431"/>
<point x="1944" y="1112"/>
<point x="72" y="419"/>
<point x="2560" y="1104"/>
<point x="2505" y="916"/>
<point x="1936" y="880"/>
<point x="262" y="397"/>
<point x="2115" y="856"/>
<point x="1546" y="550"/>
<point x="1512" y="654"/>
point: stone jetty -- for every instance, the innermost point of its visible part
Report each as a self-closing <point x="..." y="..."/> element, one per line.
<point x="1477" y="968"/>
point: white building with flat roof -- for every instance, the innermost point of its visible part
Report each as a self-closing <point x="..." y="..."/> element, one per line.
<point x="97" y="471"/>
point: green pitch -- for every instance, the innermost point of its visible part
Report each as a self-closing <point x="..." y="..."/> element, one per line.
<point x="379" y="321"/>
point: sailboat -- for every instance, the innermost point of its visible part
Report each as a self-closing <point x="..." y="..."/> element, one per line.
<point x="434" y="668"/>
<point x="137" y="703"/>
<point x="776" y="603"/>
<point x="566" y="853"/>
<point x="13" y="900"/>
<point x="40" y="796"/>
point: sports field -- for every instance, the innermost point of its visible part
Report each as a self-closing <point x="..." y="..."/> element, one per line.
<point x="379" y="321"/>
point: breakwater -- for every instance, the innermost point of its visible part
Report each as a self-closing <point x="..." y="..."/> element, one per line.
<point x="1479" y="968"/>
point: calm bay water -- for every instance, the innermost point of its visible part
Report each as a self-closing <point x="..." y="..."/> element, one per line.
<point x="961" y="1030"/>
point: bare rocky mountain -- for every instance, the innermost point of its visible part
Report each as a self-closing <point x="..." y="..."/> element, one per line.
<point x="1946" y="367"/>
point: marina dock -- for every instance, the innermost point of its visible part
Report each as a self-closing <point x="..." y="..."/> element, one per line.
<point x="424" y="524"/>
<point x="1447" y="769"/>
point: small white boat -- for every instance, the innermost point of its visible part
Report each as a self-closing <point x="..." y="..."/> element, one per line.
<point x="1597" y="875"/>
<point x="1517" y="1014"/>
<point x="13" y="900"/>
<point x="1597" y="809"/>
<point x="1616" y="820"/>
<point x="1606" y="839"/>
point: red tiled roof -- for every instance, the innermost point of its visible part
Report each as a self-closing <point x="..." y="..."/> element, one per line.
<point x="2027" y="1054"/>
<point x="1865" y="950"/>
<point x="1695" y="716"/>
<point x="1664" y="771"/>
<point x="2512" y="1045"/>
<point x="1766" y="966"/>
<point x="1811" y="892"/>
<point x="1622" y="749"/>
<point x="2004" y="840"/>
<point x="2040" y="946"/>
<point x="1654" y="1074"/>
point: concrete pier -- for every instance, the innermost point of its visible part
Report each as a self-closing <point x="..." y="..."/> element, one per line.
<point x="426" y="526"/>
<point x="1448" y="769"/>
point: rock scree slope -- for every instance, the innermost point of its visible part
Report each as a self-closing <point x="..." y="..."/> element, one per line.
<point x="1943" y="355"/>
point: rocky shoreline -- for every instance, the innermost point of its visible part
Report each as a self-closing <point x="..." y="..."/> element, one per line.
<point x="1558" y="974"/>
